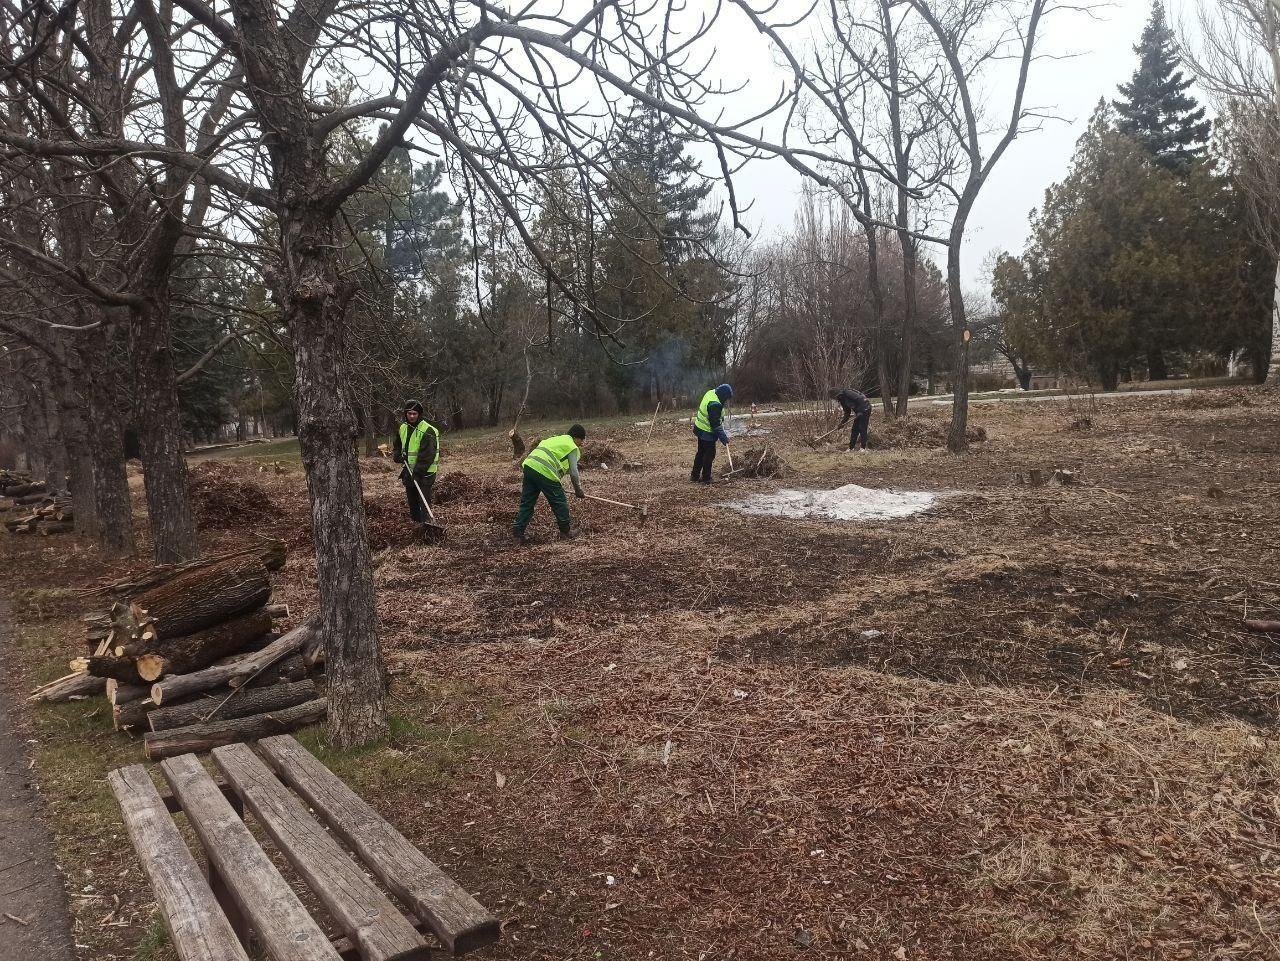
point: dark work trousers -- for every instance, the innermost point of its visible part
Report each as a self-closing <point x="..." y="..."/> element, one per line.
<point x="417" y="512"/>
<point x="702" y="462"/>
<point x="860" y="424"/>
<point x="535" y="484"/>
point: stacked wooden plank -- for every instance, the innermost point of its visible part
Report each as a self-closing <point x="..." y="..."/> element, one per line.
<point x="187" y="654"/>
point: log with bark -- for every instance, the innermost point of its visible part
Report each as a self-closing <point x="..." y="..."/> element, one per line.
<point x="132" y="714"/>
<point x="225" y="704"/>
<point x="120" y="693"/>
<point x="1263" y="627"/>
<point x="270" y="552"/>
<point x="105" y="666"/>
<point x="56" y="527"/>
<point x="197" y="738"/>
<point x="203" y="597"/>
<point x="28" y="499"/>
<point x="191" y="652"/>
<point x="289" y="668"/>
<point x="237" y="671"/>
<point x="23" y="490"/>
<point x="76" y="684"/>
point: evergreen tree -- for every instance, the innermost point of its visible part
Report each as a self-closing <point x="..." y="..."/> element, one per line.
<point x="1156" y="109"/>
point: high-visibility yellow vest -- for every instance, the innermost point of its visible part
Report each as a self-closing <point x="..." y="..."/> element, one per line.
<point x="702" y="420"/>
<point x="410" y="443"/>
<point x="551" y="457"/>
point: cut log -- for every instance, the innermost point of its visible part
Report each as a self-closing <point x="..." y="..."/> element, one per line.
<point x="76" y="684"/>
<point x="286" y="670"/>
<point x="23" y="490"/>
<point x="104" y="666"/>
<point x="132" y="714"/>
<point x="277" y="610"/>
<point x="225" y="704"/>
<point x="197" y="738"/>
<point x="182" y="655"/>
<point x="120" y="693"/>
<point x="236" y="671"/>
<point x="270" y="552"/>
<point x="204" y="597"/>
<point x="30" y="499"/>
<point x="1263" y="627"/>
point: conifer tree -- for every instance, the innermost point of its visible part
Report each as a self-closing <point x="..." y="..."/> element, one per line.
<point x="1155" y="108"/>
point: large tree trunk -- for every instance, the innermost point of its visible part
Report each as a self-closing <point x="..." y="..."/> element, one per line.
<point x="909" y="255"/>
<point x="1157" y="369"/>
<point x="76" y="440"/>
<point x="56" y="466"/>
<point x="357" y="675"/>
<point x="173" y="529"/>
<point x="1273" y="370"/>
<point x="111" y="482"/>
<point x="957" y="436"/>
<point x="191" y="652"/>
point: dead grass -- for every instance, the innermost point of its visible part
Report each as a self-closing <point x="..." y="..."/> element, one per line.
<point x="1025" y="725"/>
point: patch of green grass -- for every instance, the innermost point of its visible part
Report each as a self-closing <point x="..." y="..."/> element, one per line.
<point x="154" y="945"/>
<point x="285" y="449"/>
<point x="43" y="603"/>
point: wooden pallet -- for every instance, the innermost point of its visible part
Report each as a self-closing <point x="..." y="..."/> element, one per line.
<point x="331" y="838"/>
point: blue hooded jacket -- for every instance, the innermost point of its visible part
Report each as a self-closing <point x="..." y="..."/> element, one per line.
<point x="715" y="413"/>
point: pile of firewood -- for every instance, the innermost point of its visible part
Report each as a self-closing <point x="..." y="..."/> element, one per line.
<point x="187" y="654"/>
<point x="29" y="509"/>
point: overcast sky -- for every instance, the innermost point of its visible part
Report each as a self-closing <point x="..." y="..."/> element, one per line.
<point x="1070" y="88"/>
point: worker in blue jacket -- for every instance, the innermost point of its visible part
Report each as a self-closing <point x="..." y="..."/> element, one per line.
<point x="708" y="427"/>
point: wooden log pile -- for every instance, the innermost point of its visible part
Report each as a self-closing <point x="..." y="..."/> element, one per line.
<point x="27" y="509"/>
<point x="187" y="654"/>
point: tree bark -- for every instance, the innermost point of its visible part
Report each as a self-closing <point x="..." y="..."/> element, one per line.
<point x="173" y="529"/>
<point x="958" y="434"/>
<point x="75" y="435"/>
<point x="1157" y="369"/>
<point x="56" y="466"/>
<point x="1273" y="369"/>
<point x="197" y="738"/>
<point x="191" y="652"/>
<point x="231" y="703"/>
<point x="111" y="482"/>
<point x="205" y="596"/>
<point x="238" y="671"/>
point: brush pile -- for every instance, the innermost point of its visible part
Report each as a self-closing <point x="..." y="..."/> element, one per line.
<point x="598" y="453"/>
<point x="905" y="433"/>
<point x="28" y="508"/>
<point x="184" y="648"/>
<point x="223" y="500"/>
<point x="761" y="462"/>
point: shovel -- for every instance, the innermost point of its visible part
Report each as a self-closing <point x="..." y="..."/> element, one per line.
<point x="430" y="529"/>
<point x="827" y="434"/>
<point x="641" y="509"/>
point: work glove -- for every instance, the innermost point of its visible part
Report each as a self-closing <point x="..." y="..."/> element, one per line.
<point x="398" y="457"/>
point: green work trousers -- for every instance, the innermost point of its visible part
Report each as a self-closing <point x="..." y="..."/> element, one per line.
<point x="535" y="484"/>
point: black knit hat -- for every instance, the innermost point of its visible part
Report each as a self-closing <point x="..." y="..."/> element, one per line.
<point x="578" y="432"/>
<point x="413" y="405"/>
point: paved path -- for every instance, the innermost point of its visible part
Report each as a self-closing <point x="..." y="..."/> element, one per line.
<point x="31" y="888"/>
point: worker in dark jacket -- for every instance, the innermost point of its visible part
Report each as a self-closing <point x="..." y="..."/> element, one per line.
<point x="417" y="447"/>
<point x="857" y="406"/>
<point x="708" y="427"/>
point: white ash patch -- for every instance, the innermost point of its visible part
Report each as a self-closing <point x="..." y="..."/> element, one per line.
<point x="847" y="503"/>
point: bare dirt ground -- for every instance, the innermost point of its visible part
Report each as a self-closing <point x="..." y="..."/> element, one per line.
<point x="1027" y="723"/>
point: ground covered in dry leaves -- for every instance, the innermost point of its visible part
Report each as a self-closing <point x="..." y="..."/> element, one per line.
<point x="1028" y="723"/>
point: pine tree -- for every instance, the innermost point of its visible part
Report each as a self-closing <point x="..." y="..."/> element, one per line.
<point x="1156" y="109"/>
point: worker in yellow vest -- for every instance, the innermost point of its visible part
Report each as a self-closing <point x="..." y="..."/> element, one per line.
<point x="417" y="447"/>
<point x="546" y="464"/>
<point x="709" y="428"/>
